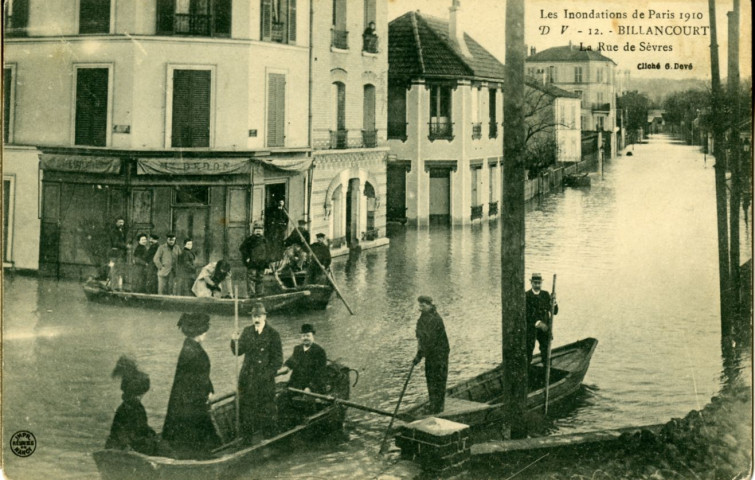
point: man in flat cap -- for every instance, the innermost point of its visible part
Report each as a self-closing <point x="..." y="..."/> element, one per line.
<point x="256" y="255"/>
<point x="538" y="306"/>
<point x="433" y="347"/>
<point x="263" y="356"/>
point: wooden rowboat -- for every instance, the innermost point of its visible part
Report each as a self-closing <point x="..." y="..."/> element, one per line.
<point x="304" y="297"/>
<point x="233" y="458"/>
<point x="478" y="401"/>
<point x="574" y="180"/>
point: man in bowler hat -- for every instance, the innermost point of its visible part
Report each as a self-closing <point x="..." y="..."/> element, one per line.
<point x="307" y="362"/>
<point x="538" y="307"/>
<point x="433" y="347"/>
<point x="263" y="356"/>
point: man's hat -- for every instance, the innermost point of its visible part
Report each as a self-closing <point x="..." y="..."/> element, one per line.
<point x="194" y="324"/>
<point x="154" y="237"/>
<point x="425" y="299"/>
<point x="302" y="222"/>
<point x="170" y="235"/>
<point x="258" y="309"/>
<point x="536" y="276"/>
<point x="307" y="328"/>
<point x="257" y="226"/>
<point x="320" y="235"/>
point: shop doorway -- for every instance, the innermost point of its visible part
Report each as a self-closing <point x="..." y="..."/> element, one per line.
<point x="396" y="208"/>
<point x="191" y="222"/>
<point x="273" y="193"/>
<point x="352" y="211"/>
<point x="440" y="196"/>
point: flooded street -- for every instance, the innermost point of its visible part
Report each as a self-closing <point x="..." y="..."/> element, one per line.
<point x="637" y="269"/>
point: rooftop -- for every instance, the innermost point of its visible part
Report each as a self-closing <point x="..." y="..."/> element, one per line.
<point x="568" y="53"/>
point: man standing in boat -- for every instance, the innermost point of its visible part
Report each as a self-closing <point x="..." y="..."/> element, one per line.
<point x="263" y="356"/>
<point x="538" y="306"/>
<point x="433" y="347"/>
<point x="321" y="250"/>
<point x="255" y="252"/>
<point x="166" y="261"/>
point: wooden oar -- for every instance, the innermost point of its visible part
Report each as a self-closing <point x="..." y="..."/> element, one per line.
<point x="236" y="351"/>
<point x="346" y="403"/>
<point x="395" y="412"/>
<point x="313" y="256"/>
<point x="550" y="341"/>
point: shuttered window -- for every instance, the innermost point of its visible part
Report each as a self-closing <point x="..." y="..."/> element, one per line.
<point x="94" y="16"/>
<point x="91" y="107"/>
<point x="291" y="21"/>
<point x="16" y="17"/>
<point x="7" y="102"/>
<point x="369" y="12"/>
<point x="276" y="110"/>
<point x="191" y="108"/>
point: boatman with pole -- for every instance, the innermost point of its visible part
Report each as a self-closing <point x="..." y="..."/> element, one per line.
<point x="538" y="308"/>
<point x="433" y="347"/>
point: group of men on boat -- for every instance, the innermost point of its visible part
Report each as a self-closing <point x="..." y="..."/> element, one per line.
<point x="188" y="431"/>
<point x="171" y="269"/>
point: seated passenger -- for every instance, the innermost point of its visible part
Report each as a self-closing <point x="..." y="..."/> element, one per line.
<point x="306" y="363"/>
<point x="293" y="261"/>
<point x="130" y="430"/>
<point x="214" y="280"/>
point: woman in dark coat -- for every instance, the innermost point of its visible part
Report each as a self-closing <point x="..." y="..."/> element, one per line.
<point x="130" y="430"/>
<point x="188" y="426"/>
<point x="141" y="262"/>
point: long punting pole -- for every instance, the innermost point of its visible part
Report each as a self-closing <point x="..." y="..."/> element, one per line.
<point x="550" y="343"/>
<point x="236" y="351"/>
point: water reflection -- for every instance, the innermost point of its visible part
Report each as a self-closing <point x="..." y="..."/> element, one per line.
<point x="636" y="260"/>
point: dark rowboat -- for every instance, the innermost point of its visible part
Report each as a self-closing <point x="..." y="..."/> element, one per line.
<point x="478" y="401"/>
<point x="233" y="458"/>
<point x="282" y="298"/>
<point x="582" y="180"/>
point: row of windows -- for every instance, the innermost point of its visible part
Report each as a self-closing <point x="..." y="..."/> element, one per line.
<point x="440" y="124"/>
<point x="339" y="134"/>
<point x="579" y="76"/>
<point x="207" y="18"/>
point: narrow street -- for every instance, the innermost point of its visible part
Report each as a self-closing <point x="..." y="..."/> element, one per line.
<point x="637" y="269"/>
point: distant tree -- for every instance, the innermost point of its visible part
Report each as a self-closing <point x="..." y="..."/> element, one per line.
<point x="636" y="106"/>
<point x="683" y="108"/>
<point x="541" y="148"/>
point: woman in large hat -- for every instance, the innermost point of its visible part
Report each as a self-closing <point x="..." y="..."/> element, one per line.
<point x="188" y="426"/>
<point x="130" y="429"/>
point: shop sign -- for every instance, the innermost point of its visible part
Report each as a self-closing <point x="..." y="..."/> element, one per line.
<point x="193" y="166"/>
<point x="80" y="163"/>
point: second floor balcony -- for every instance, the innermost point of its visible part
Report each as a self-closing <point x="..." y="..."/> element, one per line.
<point x="370" y="43"/>
<point x="339" y="139"/>
<point x="339" y="39"/>
<point x="441" y="129"/>
<point x="601" y="107"/>
<point x="369" y="138"/>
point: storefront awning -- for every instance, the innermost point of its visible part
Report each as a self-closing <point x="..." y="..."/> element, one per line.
<point x="289" y="164"/>
<point x="193" y="166"/>
<point x="80" y="163"/>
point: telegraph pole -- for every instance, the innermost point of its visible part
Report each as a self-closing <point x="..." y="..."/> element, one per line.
<point x="734" y="160"/>
<point x="720" y="175"/>
<point x="513" y="331"/>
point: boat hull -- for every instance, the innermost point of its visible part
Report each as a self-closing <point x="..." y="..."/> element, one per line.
<point x="305" y="297"/>
<point x="479" y="401"/>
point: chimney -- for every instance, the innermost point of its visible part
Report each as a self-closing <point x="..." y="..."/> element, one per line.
<point x="455" y="28"/>
<point x="532" y="51"/>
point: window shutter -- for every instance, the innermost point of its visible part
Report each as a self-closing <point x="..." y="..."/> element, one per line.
<point x="368" y="109"/>
<point x="291" y="21"/>
<point x="266" y="15"/>
<point x="200" y="108"/>
<point x="7" y="84"/>
<point x="180" y="130"/>
<point x="369" y="12"/>
<point x="276" y="109"/>
<point x="222" y="16"/>
<point x="492" y="106"/>
<point x="91" y="107"/>
<point x="165" y="10"/>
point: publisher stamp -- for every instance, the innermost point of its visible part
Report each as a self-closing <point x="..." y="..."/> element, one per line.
<point x="23" y="443"/>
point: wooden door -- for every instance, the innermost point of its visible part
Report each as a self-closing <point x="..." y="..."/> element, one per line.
<point x="191" y="222"/>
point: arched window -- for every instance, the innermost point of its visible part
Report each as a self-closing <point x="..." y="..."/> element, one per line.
<point x="338" y="135"/>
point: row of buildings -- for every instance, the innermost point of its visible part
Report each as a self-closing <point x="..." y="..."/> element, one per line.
<point x="195" y="116"/>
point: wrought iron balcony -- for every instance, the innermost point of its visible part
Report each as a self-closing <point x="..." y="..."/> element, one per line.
<point x="492" y="208"/>
<point x="339" y="39"/>
<point x="189" y="24"/>
<point x="278" y="32"/>
<point x="370" y="43"/>
<point x="369" y="138"/>
<point x="601" y="107"/>
<point x="477" y="131"/>
<point x="476" y="212"/>
<point x="338" y="139"/>
<point x="441" y="130"/>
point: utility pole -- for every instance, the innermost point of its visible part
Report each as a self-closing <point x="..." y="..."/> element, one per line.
<point x="513" y="331"/>
<point x="734" y="160"/>
<point x="720" y="175"/>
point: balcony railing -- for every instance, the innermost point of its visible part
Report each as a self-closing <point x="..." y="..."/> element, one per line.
<point x="397" y="131"/>
<point x="369" y="138"/>
<point x="493" y="130"/>
<point x="476" y="212"/>
<point x="278" y="32"/>
<point x="601" y="107"/>
<point x="338" y="139"/>
<point x="370" y="43"/>
<point x="441" y="130"/>
<point x="492" y="208"/>
<point x="476" y="131"/>
<point x="188" y="24"/>
<point x="339" y="39"/>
